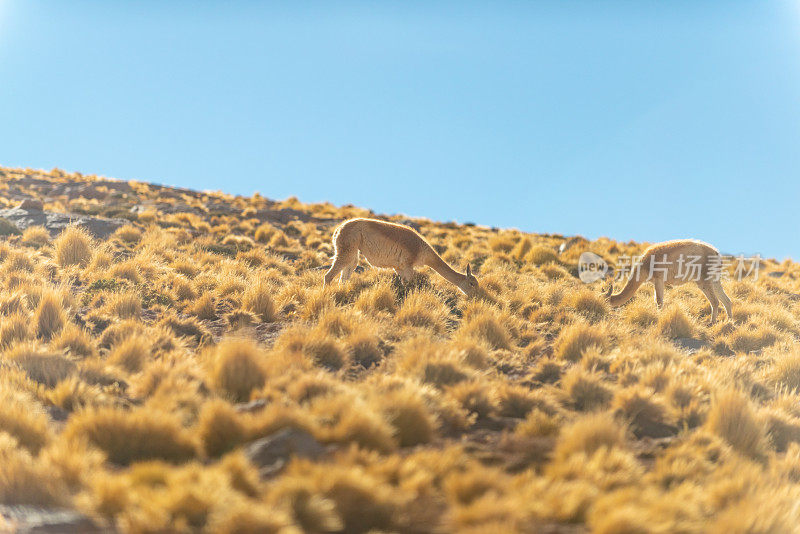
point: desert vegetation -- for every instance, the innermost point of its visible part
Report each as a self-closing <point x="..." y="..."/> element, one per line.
<point x="187" y="372"/>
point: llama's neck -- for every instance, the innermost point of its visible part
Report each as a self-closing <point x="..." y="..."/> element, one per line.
<point x="448" y="273"/>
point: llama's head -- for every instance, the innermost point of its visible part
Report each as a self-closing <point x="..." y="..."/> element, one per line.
<point x="469" y="285"/>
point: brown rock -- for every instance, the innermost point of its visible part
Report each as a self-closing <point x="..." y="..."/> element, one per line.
<point x="31" y="204"/>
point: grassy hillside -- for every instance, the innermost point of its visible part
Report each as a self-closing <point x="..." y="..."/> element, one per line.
<point x="136" y="370"/>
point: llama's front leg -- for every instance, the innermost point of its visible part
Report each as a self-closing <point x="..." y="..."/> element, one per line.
<point x="658" y="283"/>
<point x="406" y="274"/>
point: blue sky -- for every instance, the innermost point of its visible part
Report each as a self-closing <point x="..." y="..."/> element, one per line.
<point x="636" y="120"/>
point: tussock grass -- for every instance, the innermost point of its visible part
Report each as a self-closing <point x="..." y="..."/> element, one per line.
<point x="136" y="368"/>
<point x="220" y="428"/>
<point x="589" y="434"/>
<point x="27" y="426"/>
<point x="586" y="391"/>
<point x="784" y="372"/>
<point x="575" y="339"/>
<point x="674" y="323"/>
<point x="42" y="366"/>
<point x="73" y="247"/>
<point x="326" y="353"/>
<point x="237" y="369"/>
<point x="407" y="413"/>
<point x="37" y="236"/>
<point x="127" y="437"/>
<point x="423" y="310"/>
<point x="75" y="341"/>
<point x="258" y="299"/>
<point x="588" y="303"/>
<point x="430" y="364"/>
<point x="129" y="234"/>
<point x="49" y="316"/>
<point x="734" y="420"/>
<point x="125" y="305"/>
<point x="540" y="255"/>
<point x="131" y="353"/>
<point x="14" y="328"/>
<point x="23" y="481"/>
<point x="485" y="327"/>
<point x="647" y="414"/>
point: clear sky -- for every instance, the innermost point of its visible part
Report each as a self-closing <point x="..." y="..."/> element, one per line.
<point x="633" y="119"/>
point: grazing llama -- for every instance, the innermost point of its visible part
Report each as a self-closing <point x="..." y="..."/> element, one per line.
<point x="677" y="262"/>
<point x="392" y="246"/>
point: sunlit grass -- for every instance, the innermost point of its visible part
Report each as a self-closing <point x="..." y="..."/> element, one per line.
<point x="136" y="369"/>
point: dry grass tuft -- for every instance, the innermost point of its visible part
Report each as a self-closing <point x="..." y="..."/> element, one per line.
<point x="127" y="437"/>
<point x="73" y="247"/>
<point x="586" y="390"/>
<point x="23" y="481"/>
<point x="423" y="310"/>
<point x="125" y="305"/>
<point x="733" y="419"/>
<point x="129" y="234"/>
<point x="588" y="303"/>
<point x="785" y="371"/>
<point x="49" y="316"/>
<point x="647" y="414"/>
<point x="40" y="365"/>
<point x="406" y="411"/>
<point x="37" y="236"/>
<point x="13" y="329"/>
<point x="28" y="427"/>
<point x="378" y="298"/>
<point x="237" y="369"/>
<point x="75" y="341"/>
<point x="220" y="428"/>
<point x="258" y="299"/>
<point x="135" y="368"/>
<point x="131" y="353"/>
<point x="540" y="255"/>
<point x="327" y="353"/>
<point x="488" y="329"/>
<point x="575" y="339"/>
<point x="674" y="323"/>
<point x="589" y="434"/>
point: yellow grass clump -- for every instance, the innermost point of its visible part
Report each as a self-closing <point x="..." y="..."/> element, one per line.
<point x="127" y="437"/>
<point x="237" y="369"/>
<point x="575" y="339"/>
<point x="73" y="247"/>
<point x="49" y="316"/>
<point x="734" y="420"/>
<point x="137" y="367"/>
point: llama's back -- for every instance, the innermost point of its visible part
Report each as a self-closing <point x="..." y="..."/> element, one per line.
<point x="681" y="246"/>
<point x="383" y="243"/>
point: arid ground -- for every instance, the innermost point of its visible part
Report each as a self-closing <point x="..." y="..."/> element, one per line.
<point x="179" y="368"/>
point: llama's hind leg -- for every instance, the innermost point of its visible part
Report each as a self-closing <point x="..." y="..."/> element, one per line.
<point x="708" y="291"/>
<point x="343" y="263"/>
<point x="716" y="286"/>
<point x="335" y="269"/>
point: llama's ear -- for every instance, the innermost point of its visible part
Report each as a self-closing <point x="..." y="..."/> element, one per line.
<point x="469" y="270"/>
